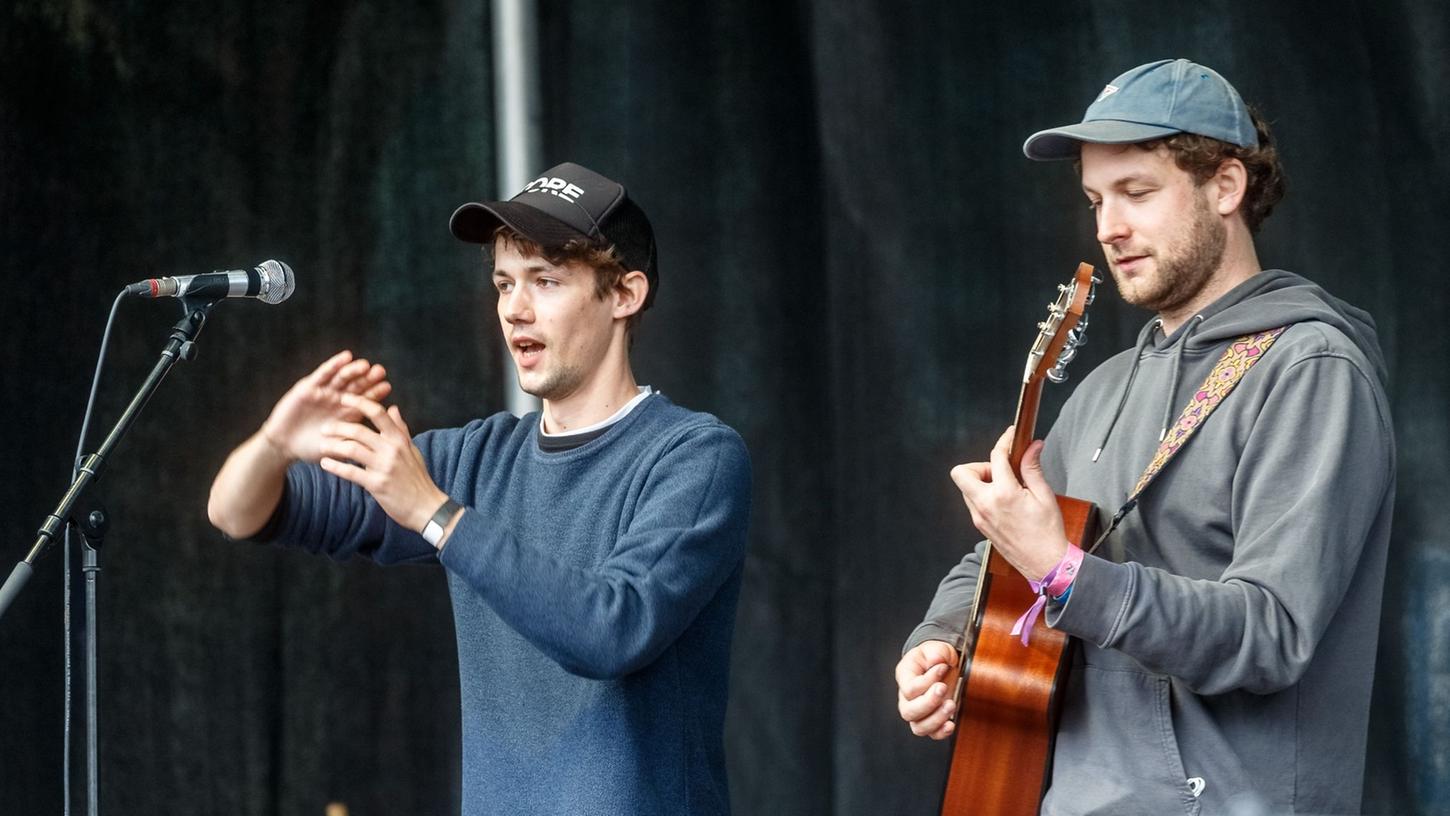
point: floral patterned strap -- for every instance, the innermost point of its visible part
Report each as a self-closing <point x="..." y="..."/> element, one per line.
<point x="1236" y="361"/>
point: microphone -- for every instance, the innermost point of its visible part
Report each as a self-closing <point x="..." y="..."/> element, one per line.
<point x="269" y="282"/>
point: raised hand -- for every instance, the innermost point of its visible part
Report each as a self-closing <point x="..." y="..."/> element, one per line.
<point x="382" y="460"/>
<point x="295" y="426"/>
<point x="922" y="699"/>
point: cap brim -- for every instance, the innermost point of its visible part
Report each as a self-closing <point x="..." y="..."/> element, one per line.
<point x="476" y="222"/>
<point x="1066" y="142"/>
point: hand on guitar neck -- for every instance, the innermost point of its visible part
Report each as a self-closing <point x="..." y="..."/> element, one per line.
<point x="1020" y="518"/>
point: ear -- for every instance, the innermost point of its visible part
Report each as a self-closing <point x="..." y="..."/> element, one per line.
<point x="629" y="295"/>
<point x="1228" y="186"/>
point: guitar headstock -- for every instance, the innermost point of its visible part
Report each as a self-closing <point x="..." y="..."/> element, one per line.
<point x="1064" y="330"/>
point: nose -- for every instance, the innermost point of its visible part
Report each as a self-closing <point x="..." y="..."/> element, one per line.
<point x="515" y="305"/>
<point x="1112" y="227"/>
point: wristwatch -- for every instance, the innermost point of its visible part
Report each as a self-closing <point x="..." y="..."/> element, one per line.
<point x="433" y="530"/>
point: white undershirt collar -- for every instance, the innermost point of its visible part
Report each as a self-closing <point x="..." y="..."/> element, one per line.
<point x="644" y="391"/>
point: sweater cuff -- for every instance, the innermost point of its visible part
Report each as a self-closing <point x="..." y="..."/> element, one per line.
<point x="1100" y="596"/>
<point x="465" y="551"/>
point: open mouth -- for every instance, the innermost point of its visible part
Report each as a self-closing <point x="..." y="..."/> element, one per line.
<point x="528" y="349"/>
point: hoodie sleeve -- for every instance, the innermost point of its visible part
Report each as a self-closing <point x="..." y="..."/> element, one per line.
<point x="686" y="539"/>
<point x="1314" y="478"/>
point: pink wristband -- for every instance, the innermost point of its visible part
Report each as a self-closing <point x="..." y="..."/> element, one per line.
<point x="1054" y="583"/>
<point x="1065" y="572"/>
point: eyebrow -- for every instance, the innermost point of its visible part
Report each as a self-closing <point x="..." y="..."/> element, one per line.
<point x="536" y="268"/>
<point x="1131" y="178"/>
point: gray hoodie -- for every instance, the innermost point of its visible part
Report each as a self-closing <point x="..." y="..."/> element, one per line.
<point x="1226" y="631"/>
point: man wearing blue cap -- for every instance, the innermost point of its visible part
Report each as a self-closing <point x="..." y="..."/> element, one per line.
<point x="1226" y="628"/>
<point x="594" y="550"/>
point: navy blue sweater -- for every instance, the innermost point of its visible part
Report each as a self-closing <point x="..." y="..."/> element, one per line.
<point x="594" y="595"/>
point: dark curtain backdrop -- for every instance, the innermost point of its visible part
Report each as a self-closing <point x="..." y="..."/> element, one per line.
<point x="853" y="253"/>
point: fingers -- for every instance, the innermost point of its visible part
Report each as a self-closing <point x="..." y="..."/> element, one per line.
<point x="914" y="687"/>
<point x="397" y="417"/>
<point x="924" y="656"/>
<point x="1032" y="477"/>
<point x="938" y="725"/>
<point x="329" y="368"/>
<point x="923" y="706"/>
<point x="367" y="379"/>
<point x="379" y="392"/>
<point x="930" y="714"/>
<point x="938" y="651"/>
<point x="923" y="699"/>
<point x="344" y="470"/>
<point x="374" y="412"/>
<point x="1002" y="460"/>
<point x="920" y="690"/>
<point x="346" y="374"/>
<point x="350" y="441"/>
<point x="1004" y="442"/>
<point x="355" y="441"/>
<point x="971" y="476"/>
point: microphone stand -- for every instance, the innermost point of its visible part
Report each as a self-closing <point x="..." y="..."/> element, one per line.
<point x="91" y="519"/>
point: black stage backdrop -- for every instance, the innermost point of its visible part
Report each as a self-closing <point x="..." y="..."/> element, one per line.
<point x="853" y="254"/>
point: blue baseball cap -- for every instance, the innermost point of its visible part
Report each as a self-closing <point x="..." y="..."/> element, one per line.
<point x="1150" y="102"/>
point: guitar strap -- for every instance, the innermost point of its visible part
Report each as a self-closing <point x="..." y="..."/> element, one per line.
<point x="1237" y="359"/>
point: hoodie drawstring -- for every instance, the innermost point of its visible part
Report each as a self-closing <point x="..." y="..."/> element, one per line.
<point x="1168" y="402"/>
<point x="1127" y="387"/>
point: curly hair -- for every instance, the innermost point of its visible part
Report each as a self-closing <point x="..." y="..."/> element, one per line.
<point x="1201" y="156"/>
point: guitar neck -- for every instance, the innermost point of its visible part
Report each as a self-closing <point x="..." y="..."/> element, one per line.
<point x="1025" y="425"/>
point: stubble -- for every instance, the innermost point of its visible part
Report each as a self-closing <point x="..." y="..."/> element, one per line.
<point x="1184" y="269"/>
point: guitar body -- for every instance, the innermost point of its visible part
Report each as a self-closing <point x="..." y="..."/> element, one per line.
<point x="1007" y="697"/>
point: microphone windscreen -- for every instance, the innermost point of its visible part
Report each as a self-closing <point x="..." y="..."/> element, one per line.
<point x="277" y="281"/>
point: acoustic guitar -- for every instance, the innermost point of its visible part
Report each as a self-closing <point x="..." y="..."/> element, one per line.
<point x="1006" y="692"/>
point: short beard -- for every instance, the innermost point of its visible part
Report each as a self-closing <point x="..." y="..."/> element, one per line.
<point x="560" y="383"/>
<point x="1182" y="275"/>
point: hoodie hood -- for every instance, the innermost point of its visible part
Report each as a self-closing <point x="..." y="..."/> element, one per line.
<point x="1268" y="300"/>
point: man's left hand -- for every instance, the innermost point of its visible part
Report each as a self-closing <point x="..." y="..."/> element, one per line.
<point x="1021" y="519"/>
<point x="384" y="462"/>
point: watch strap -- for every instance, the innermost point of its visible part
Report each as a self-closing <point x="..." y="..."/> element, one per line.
<point x="433" y="530"/>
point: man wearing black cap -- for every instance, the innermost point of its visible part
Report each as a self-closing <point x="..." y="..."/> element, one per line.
<point x="593" y="550"/>
<point x="1226" y="628"/>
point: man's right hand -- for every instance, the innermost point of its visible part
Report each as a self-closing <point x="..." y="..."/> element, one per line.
<point x="923" y="700"/>
<point x="294" y="429"/>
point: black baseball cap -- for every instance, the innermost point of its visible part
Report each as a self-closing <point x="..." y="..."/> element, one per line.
<point x="566" y="203"/>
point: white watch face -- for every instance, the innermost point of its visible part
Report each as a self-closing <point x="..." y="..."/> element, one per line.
<point x="432" y="533"/>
